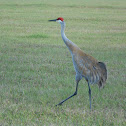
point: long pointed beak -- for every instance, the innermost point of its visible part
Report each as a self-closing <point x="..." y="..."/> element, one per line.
<point x="53" y="20"/>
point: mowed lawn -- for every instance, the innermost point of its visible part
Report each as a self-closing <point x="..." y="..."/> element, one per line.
<point x="36" y="70"/>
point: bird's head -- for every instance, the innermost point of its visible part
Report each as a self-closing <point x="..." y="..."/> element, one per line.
<point x="59" y="20"/>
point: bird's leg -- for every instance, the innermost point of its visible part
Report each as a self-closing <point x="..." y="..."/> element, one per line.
<point x="75" y="93"/>
<point x="89" y="94"/>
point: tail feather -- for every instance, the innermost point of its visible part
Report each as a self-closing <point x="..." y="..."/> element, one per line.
<point x="103" y="74"/>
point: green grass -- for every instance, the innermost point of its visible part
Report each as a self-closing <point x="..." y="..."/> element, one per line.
<point x="36" y="70"/>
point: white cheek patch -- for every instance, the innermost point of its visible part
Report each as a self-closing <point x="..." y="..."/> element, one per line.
<point x="59" y="21"/>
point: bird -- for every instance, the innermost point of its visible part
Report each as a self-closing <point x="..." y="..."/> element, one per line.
<point x="86" y="66"/>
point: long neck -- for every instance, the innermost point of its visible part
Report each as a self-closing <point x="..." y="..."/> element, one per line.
<point x="71" y="46"/>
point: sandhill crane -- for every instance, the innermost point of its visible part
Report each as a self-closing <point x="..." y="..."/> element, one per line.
<point x="85" y="65"/>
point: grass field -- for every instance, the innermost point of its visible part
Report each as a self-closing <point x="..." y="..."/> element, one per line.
<point x="36" y="70"/>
